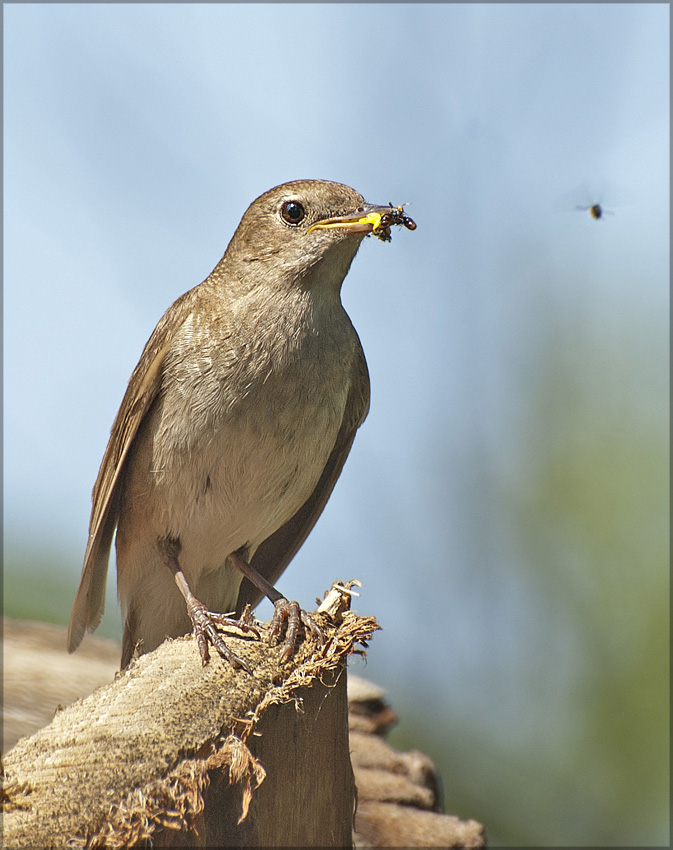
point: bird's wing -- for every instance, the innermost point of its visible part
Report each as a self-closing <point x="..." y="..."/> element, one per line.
<point x="276" y="552"/>
<point x="144" y="386"/>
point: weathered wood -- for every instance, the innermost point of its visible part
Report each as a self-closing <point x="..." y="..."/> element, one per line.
<point x="399" y="794"/>
<point x="308" y="796"/>
<point x="38" y="675"/>
<point x="175" y="753"/>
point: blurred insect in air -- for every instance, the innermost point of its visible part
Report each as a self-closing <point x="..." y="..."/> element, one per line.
<point x="595" y="211"/>
<point x="590" y="196"/>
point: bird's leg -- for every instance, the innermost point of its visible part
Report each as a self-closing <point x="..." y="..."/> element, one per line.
<point x="205" y="622"/>
<point x="283" y="608"/>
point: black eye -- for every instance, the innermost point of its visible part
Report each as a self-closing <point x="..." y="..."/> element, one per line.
<point x="292" y="212"/>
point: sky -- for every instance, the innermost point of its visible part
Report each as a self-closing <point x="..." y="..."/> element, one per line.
<point x="135" y="136"/>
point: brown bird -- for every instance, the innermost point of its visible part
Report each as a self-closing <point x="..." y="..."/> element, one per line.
<point x="234" y="428"/>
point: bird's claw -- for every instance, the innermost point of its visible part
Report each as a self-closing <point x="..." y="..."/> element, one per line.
<point x="284" y="610"/>
<point x="206" y="625"/>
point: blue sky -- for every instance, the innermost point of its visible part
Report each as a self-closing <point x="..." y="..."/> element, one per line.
<point x="136" y="135"/>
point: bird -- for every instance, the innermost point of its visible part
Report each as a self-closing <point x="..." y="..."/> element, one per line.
<point x="234" y="429"/>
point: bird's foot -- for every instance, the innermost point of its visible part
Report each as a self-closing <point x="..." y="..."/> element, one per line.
<point x="290" y="612"/>
<point x="206" y="625"/>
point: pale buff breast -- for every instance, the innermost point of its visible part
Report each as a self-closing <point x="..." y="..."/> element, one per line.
<point x="236" y="473"/>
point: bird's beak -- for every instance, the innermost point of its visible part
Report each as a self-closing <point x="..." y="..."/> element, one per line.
<point x="368" y="218"/>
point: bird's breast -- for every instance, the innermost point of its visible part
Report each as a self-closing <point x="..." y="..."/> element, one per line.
<point x="236" y="443"/>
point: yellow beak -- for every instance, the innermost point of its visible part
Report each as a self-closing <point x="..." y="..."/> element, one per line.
<point x="368" y="219"/>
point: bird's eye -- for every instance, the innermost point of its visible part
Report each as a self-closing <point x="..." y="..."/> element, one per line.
<point x="292" y="212"/>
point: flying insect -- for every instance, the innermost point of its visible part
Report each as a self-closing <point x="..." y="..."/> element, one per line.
<point x="595" y="211"/>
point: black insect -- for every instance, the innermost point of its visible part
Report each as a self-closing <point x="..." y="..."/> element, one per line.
<point x="397" y="216"/>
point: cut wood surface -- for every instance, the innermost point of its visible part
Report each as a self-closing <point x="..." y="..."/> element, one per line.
<point x="173" y="752"/>
<point x="141" y="758"/>
<point x="38" y="675"/>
